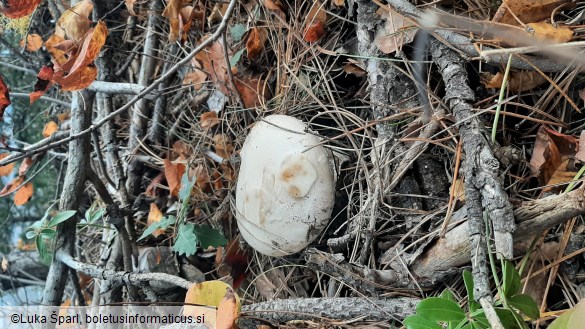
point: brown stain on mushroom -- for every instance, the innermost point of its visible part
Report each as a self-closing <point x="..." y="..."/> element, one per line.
<point x="294" y="191"/>
<point x="293" y="171"/>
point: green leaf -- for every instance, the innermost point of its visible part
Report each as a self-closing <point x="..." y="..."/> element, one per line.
<point x="186" y="187"/>
<point x="163" y="224"/>
<point x="468" y="281"/>
<point x="236" y="57"/>
<point x="448" y="294"/>
<point x="511" y="282"/>
<point x="509" y="319"/>
<point x="526" y="305"/>
<point x="562" y="322"/>
<point x="31" y="234"/>
<point x="48" y="233"/>
<point x="61" y="217"/>
<point x="186" y="242"/>
<point x="418" y="322"/>
<point x="577" y="318"/>
<point x="237" y="31"/>
<point x="440" y="309"/>
<point x="209" y="237"/>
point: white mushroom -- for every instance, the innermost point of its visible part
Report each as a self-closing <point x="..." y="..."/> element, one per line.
<point x="285" y="188"/>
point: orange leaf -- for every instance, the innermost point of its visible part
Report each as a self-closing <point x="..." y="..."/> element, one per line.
<point x="4" y="97"/>
<point x="339" y="3"/>
<point x="92" y="45"/>
<point x="517" y="80"/>
<point x="75" y="21"/>
<point x="43" y="82"/>
<point x="315" y="23"/>
<point x="154" y="216"/>
<point x="527" y="11"/>
<point x="57" y="53"/>
<point x="255" y="43"/>
<point x="24" y="165"/>
<point x="34" y="42"/>
<point x="12" y="186"/>
<point x="562" y="175"/>
<point x="227" y="311"/>
<point x="50" y="128"/>
<point x="197" y="77"/>
<point x="23" y="194"/>
<point x="7" y="169"/>
<point x="546" y="31"/>
<point x="252" y="91"/>
<point x="208" y="120"/>
<point x="172" y="13"/>
<point x="76" y="80"/>
<point x="173" y="173"/>
<point x="18" y="8"/>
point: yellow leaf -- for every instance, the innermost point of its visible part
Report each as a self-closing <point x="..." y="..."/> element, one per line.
<point x="4" y="264"/>
<point x="154" y="216"/>
<point x="214" y="293"/>
<point x="546" y="31"/>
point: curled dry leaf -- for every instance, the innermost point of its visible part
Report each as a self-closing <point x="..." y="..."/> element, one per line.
<point x="75" y="21"/>
<point x="256" y="41"/>
<point x="44" y="81"/>
<point x="130" y="6"/>
<point x="34" y="42"/>
<point x="50" y="128"/>
<point x="18" y="8"/>
<point x="173" y="174"/>
<point x="25" y="165"/>
<point x="173" y="13"/>
<point x="7" y="169"/>
<point x="527" y="11"/>
<point x="151" y="188"/>
<point x="58" y="55"/>
<point x="396" y="32"/>
<point x="213" y="62"/>
<point x="77" y="80"/>
<point x="252" y="90"/>
<point x="154" y="216"/>
<point x="209" y="120"/>
<point x="92" y="45"/>
<point x="4" y="97"/>
<point x="355" y="69"/>
<point x="223" y="145"/>
<point x="551" y="150"/>
<point x="196" y="77"/>
<point x="315" y="23"/>
<point x="23" y="194"/>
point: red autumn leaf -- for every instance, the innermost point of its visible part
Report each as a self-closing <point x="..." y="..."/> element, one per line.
<point x="76" y="80"/>
<point x="315" y="23"/>
<point x="18" y="8"/>
<point x="94" y="41"/>
<point x="43" y="82"/>
<point x="4" y="97"/>
<point x="23" y="194"/>
<point x="237" y="260"/>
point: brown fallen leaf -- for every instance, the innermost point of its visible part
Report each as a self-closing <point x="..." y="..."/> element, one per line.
<point x="77" y="80"/>
<point x="214" y="64"/>
<point x="551" y="149"/>
<point x="339" y="3"/>
<point x="50" y="128"/>
<point x="25" y="165"/>
<point x="151" y="188"/>
<point x="562" y="175"/>
<point x="96" y="38"/>
<point x="223" y="146"/>
<point x="256" y="41"/>
<point x="44" y="81"/>
<point x="12" y="186"/>
<point x="397" y="31"/>
<point x="580" y="155"/>
<point x="527" y="11"/>
<point x="75" y="21"/>
<point x="517" y="80"/>
<point x="18" y="8"/>
<point x="34" y="42"/>
<point x="196" y="77"/>
<point x="7" y="169"/>
<point x="173" y="12"/>
<point x="546" y="31"/>
<point x="173" y="174"/>
<point x="154" y="216"/>
<point x="23" y="194"/>
<point x="209" y="120"/>
<point x="130" y="6"/>
<point x="253" y="91"/>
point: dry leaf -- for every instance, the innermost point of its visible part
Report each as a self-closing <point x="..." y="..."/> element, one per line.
<point x="151" y="188"/>
<point x="397" y="31"/>
<point x="527" y="11"/>
<point x="217" y="13"/>
<point x="223" y="146"/>
<point x="182" y="149"/>
<point x="57" y="54"/>
<point x="173" y="174"/>
<point x="34" y="42"/>
<point x="252" y="91"/>
<point x="562" y="175"/>
<point x="4" y="97"/>
<point x="78" y="80"/>
<point x="61" y="117"/>
<point x="24" y="166"/>
<point x="7" y="169"/>
<point x="4" y="264"/>
<point x="551" y="149"/>
<point x="546" y="31"/>
<point x="75" y="21"/>
<point x="50" y="128"/>
<point x="23" y="194"/>
<point x="12" y="186"/>
<point x="196" y="77"/>
<point x="92" y="45"/>
<point x="130" y="6"/>
<point x="172" y="13"/>
<point x="209" y="120"/>
<point x="339" y="3"/>
<point x="18" y="8"/>
<point x="256" y="41"/>
<point x="580" y="155"/>
<point x="213" y="62"/>
<point x="351" y="68"/>
<point x="315" y="23"/>
<point x="227" y="311"/>
<point x="154" y="216"/>
<point x="44" y="81"/>
<point x="517" y="80"/>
